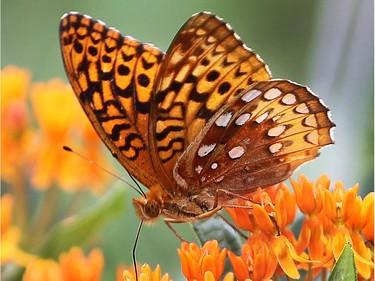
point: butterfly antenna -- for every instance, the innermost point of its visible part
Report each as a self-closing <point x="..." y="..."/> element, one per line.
<point x="134" y="249"/>
<point x="66" y="148"/>
<point x="137" y="184"/>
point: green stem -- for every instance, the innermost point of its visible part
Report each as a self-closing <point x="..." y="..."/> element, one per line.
<point x="21" y="203"/>
<point x="46" y="214"/>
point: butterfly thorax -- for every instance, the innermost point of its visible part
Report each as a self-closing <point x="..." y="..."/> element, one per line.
<point x="180" y="208"/>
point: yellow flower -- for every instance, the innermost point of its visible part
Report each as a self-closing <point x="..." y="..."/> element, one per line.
<point x="146" y="274"/>
<point x="10" y="236"/>
<point x="14" y="85"/>
<point x="204" y="264"/>
<point x="16" y="132"/>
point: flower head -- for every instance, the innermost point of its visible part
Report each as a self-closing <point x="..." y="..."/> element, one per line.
<point x="205" y="264"/>
<point x="334" y="218"/>
<point x="76" y="267"/>
<point x="146" y="274"/>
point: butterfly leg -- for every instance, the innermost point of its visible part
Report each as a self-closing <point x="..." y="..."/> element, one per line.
<point x="232" y="195"/>
<point x="168" y="222"/>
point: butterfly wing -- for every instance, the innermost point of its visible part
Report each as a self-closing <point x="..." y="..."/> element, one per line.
<point x="206" y="66"/>
<point x="113" y="77"/>
<point x="257" y="140"/>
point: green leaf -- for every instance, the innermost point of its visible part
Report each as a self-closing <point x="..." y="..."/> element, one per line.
<point x="76" y="230"/>
<point x="344" y="268"/>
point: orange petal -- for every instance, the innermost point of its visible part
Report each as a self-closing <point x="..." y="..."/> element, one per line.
<point x="284" y="258"/>
<point x="264" y="265"/>
<point x="43" y="270"/>
<point x="368" y="216"/>
<point x="239" y="266"/>
<point x="330" y="205"/>
<point x="263" y="219"/>
<point x="349" y="203"/>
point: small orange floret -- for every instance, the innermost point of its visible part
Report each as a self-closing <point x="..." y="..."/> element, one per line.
<point x="197" y="262"/>
<point x="146" y="274"/>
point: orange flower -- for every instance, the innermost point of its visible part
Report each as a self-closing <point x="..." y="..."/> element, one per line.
<point x="72" y="266"/>
<point x="62" y="122"/>
<point x="76" y="267"/>
<point x="344" y="209"/>
<point x="35" y="152"/>
<point x="368" y="217"/>
<point x="310" y="200"/>
<point x="43" y="270"/>
<point x="146" y="274"/>
<point x="271" y="240"/>
<point x="309" y="196"/>
<point x="256" y="262"/>
<point x="203" y="264"/>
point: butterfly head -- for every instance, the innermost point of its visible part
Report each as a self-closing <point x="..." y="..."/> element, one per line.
<point x="149" y="208"/>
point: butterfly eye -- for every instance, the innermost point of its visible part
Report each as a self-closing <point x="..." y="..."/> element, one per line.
<point x="152" y="209"/>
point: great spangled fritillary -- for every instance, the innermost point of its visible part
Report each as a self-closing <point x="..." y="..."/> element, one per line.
<point x="198" y="126"/>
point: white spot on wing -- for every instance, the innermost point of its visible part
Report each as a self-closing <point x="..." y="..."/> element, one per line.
<point x="272" y="94"/>
<point x="310" y="121"/>
<point x="251" y="95"/>
<point x="276" y="131"/>
<point x="206" y="149"/>
<point x="236" y="152"/>
<point x="242" y="119"/>
<point x="262" y="117"/>
<point x="302" y="108"/>
<point x="289" y="99"/>
<point x="313" y="137"/>
<point x="223" y="119"/>
<point x="275" y="147"/>
<point x="214" y="166"/>
<point x="199" y="169"/>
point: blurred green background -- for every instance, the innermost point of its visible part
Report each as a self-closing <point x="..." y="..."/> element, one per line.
<point x="327" y="45"/>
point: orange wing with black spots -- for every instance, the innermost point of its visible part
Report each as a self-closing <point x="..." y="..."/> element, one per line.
<point x="206" y="66"/>
<point x="205" y="117"/>
<point x="113" y="77"/>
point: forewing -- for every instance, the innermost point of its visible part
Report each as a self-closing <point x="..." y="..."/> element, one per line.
<point x="113" y="77"/>
<point x="257" y="140"/>
<point x="206" y="66"/>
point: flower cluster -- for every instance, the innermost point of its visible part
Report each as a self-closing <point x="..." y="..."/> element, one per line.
<point x="331" y="218"/>
<point x="37" y="119"/>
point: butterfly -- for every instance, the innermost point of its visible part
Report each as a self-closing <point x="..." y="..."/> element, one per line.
<point x="200" y="125"/>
